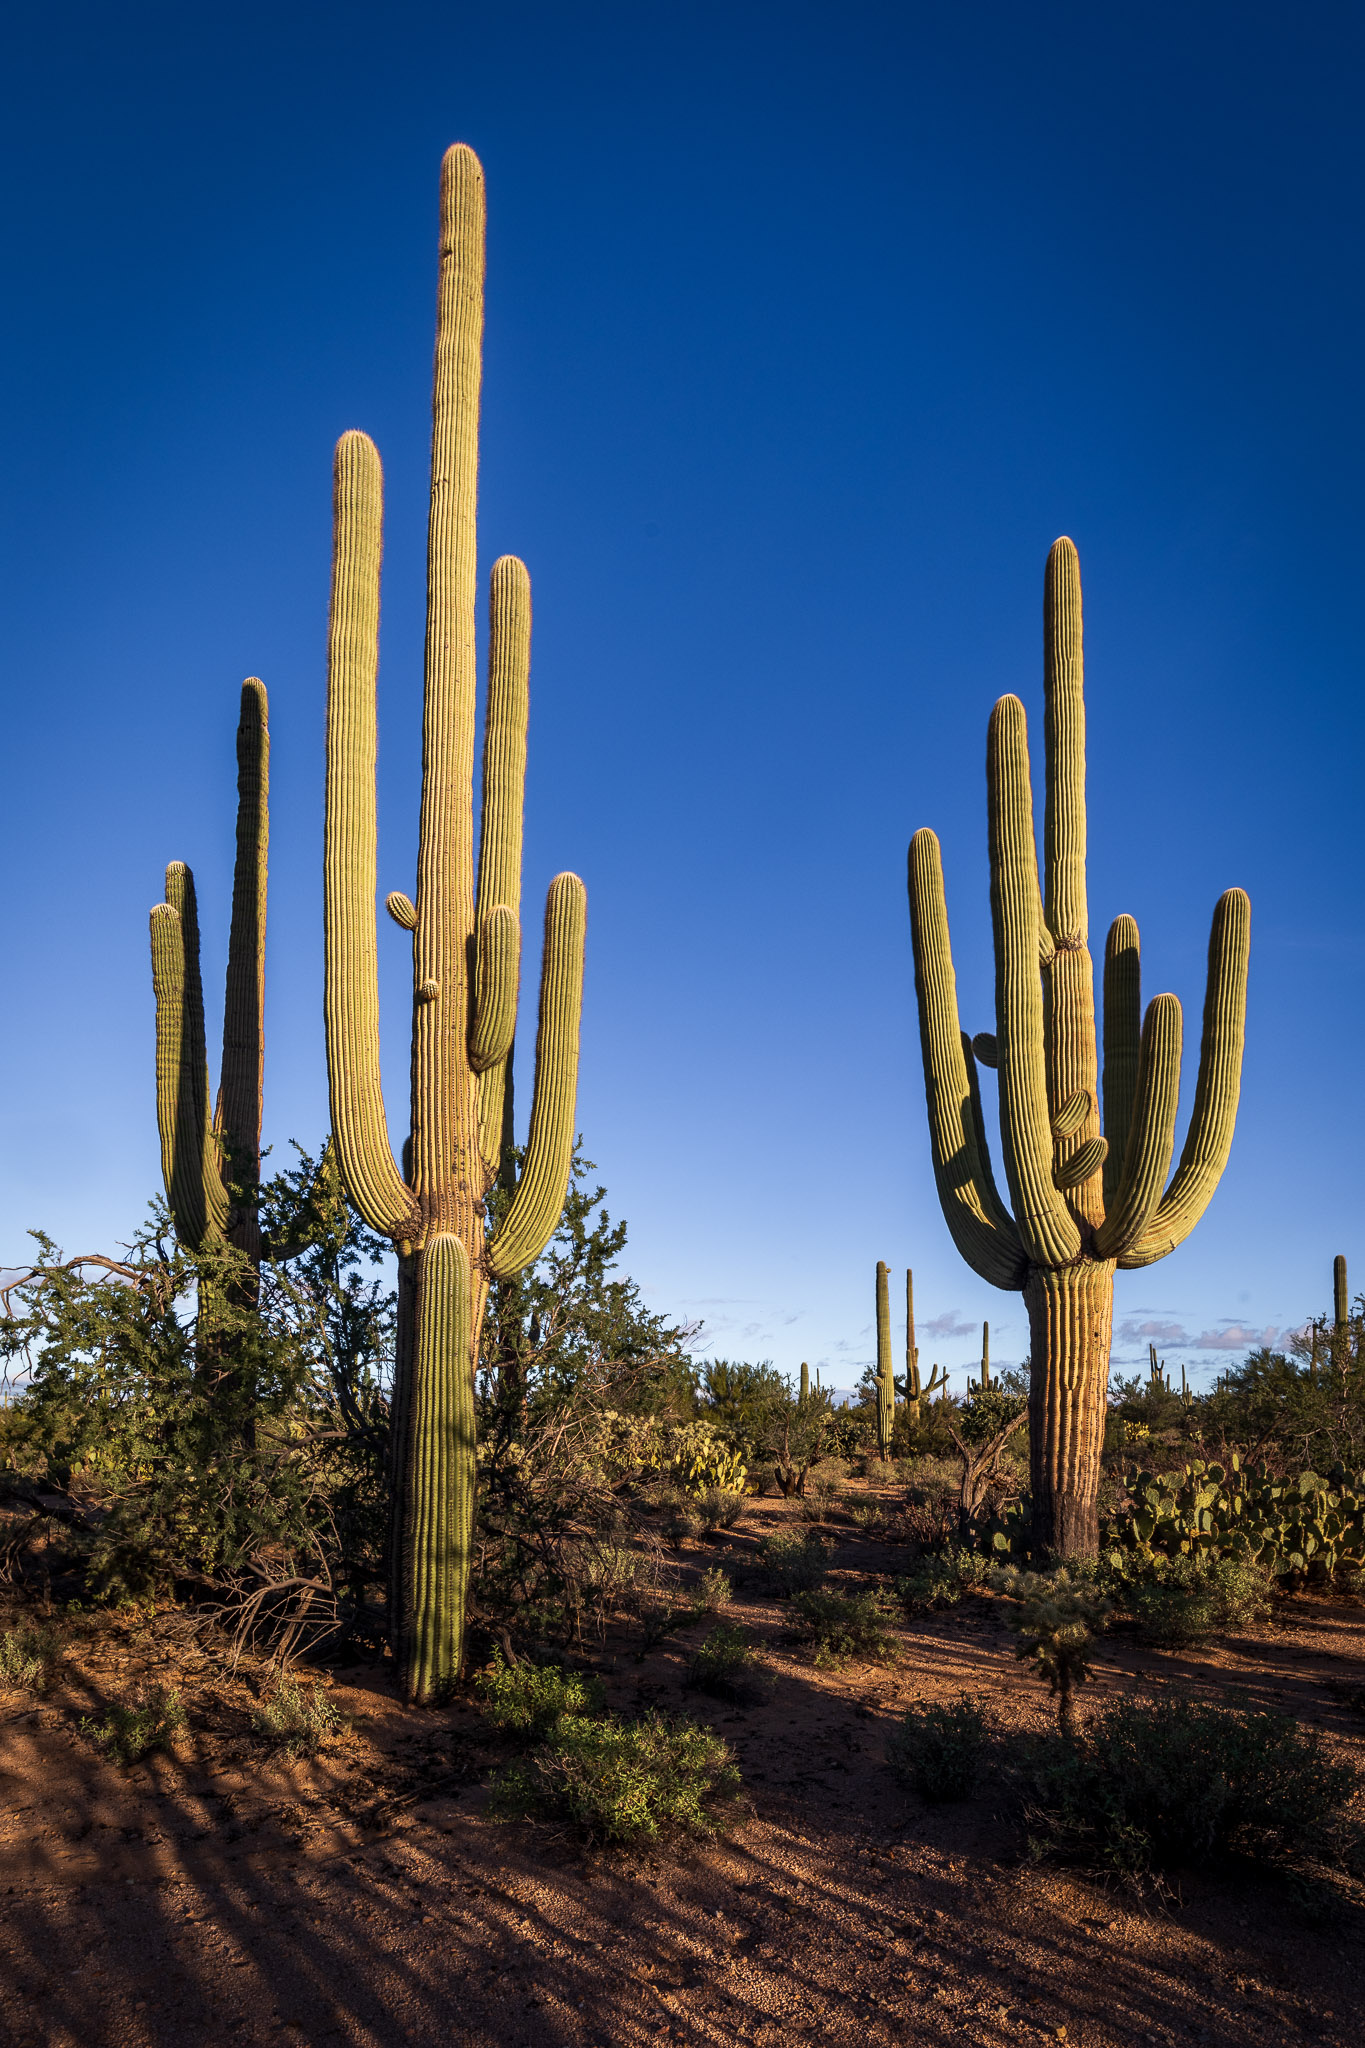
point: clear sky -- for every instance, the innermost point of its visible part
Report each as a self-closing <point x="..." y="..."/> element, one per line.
<point x="809" y="327"/>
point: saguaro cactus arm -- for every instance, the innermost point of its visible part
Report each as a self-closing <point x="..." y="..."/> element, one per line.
<point x="1122" y="1040"/>
<point x="1151" y="1130"/>
<point x="981" y="1226"/>
<point x="539" y="1200"/>
<point x="500" y="834"/>
<point x="351" y="985"/>
<point x="1046" y="1229"/>
<point x="1209" y="1138"/>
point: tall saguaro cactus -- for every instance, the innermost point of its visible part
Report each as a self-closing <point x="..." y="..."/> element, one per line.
<point x="1083" y="1204"/>
<point x="886" y="1382"/>
<point x="211" y="1158"/>
<point x="466" y="952"/>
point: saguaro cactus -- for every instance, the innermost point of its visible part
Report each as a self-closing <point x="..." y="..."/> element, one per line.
<point x="1082" y="1204"/>
<point x="915" y="1392"/>
<point x="211" y="1159"/>
<point x="466" y="947"/>
<point x="805" y="1381"/>
<point x="886" y="1382"/>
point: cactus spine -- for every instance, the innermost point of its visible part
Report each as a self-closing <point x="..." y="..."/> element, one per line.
<point x="211" y="1160"/>
<point x="886" y="1384"/>
<point x="466" y="960"/>
<point x="914" y="1391"/>
<point x="1082" y="1204"/>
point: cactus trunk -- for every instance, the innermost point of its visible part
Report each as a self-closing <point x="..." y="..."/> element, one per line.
<point x="1070" y="1315"/>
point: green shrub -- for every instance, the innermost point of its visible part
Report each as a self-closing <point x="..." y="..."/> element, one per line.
<point x="1182" y="1600"/>
<point x="532" y="1699"/>
<point x="941" y="1579"/>
<point x="1162" y="1783"/>
<point x="719" y="1507"/>
<point x="127" y="1734"/>
<point x="296" y="1722"/>
<point x="796" y="1562"/>
<point x="619" y="1782"/>
<point x="724" y="1665"/>
<point x="843" y="1627"/>
<point x="938" y="1749"/>
<point x="714" y="1591"/>
<point x="27" y="1655"/>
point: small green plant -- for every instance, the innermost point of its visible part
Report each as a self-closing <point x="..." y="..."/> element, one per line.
<point x="714" y="1591"/>
<point x="616" y="1782"/>
<point x="1055" y="1618"/>
<point x="1181" y="1600"/>
<point x="127" y="1734"/>
<point x="532" y="1699"/>
<point x="1162" y="1783"/>
<point x="941" y="1579"/>
<point x="938" y="1749"/>
<point x="27" y="1655"/>
<point x="297" y="1722"/>
<point x="796" y="1562"/>
<point x="724" y="1665"/>
<point x="843" y="1627"/>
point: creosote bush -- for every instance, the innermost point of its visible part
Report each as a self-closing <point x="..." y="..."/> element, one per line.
<point x="718" y="1507"/>
<point x="127" y="1734"/>
<point x="617" y="1782"/>
<point x="1157" y="1784"/>
<point x="531" y="1699"/>
<point x="941" y="1579"/>
<point x="723" y="1665"/>
<point x="1178" y="1601"/>
<point x="843" y="1627"/>
<point x="938" y="1749"/>
<point x="27" y="1655"/>
<point x="796" y="1562"/>
<point x="299" y="1722"/>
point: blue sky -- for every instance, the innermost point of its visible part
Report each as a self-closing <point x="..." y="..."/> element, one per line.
<point x="808" y="329"/>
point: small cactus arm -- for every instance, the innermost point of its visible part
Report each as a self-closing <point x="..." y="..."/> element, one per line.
<point x="1083" y="1201"/>
<point x="466" y="962"/>
<point x="886" y="1385"/>
<point x="211" y="1164"/>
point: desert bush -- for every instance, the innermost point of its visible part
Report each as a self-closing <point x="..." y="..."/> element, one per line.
<point x="296" y="1721"/>
<point x="719" y="1507"/>
<point x="842" y="1627"/>
<point x="723" y="1664"/>
<point x="129" y="1733"/>
<point x="938" y="1749"/>
<point x="531" y="1699"/>
<point x="795" y="1561"/>
<point x="1163" y="1783"/>
<point x="1181" y="1600"/>
<point x="1054" y="1617"/>
<point x="714" y="1591"/>
<point x="941" y="1578"/>
<point x="614" y="1782"/>
<point x="27" y="1655"/>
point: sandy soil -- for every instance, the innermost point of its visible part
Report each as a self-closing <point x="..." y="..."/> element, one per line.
<point x="213" y="1895"/>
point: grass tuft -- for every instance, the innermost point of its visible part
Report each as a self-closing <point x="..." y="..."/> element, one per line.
<point x="299" y="1723"/>
<point x="127" y="1734"/>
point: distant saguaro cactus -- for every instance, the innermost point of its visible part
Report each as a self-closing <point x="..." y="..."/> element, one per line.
<point x="915" y="1392"/>
<point x="211" y="1158"/>
<point x="886" y="1382"/>
<point x="1083" y="1204"/>
<point x="805" y="1381"/>
<point x="466" y="950"/>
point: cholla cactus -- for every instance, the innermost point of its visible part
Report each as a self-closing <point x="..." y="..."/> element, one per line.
<point x="211" y="1160"/>
<point x="466" y="950"/>
<point x="1082" y="1204"/>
